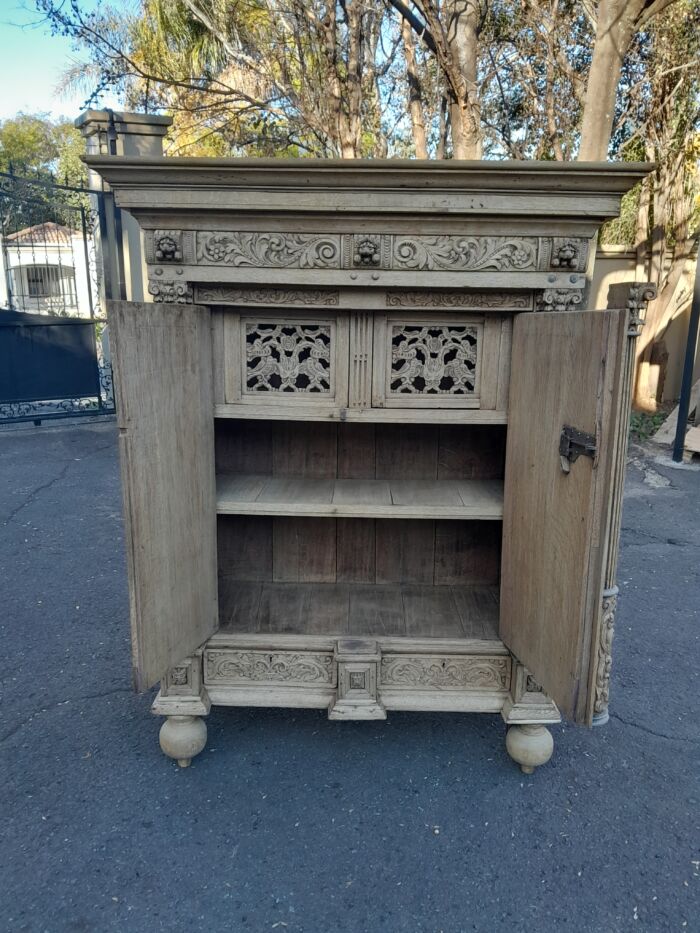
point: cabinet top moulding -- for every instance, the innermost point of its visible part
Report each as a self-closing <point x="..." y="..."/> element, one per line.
<point x="579" y="190"/>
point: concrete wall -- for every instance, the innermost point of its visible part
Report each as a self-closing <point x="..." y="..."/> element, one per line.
<point x="616" y="264"/>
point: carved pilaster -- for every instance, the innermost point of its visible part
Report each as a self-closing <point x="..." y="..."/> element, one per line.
<point x="558" y="299"/>
<point x="604" y="661"/>
<point x="172" y="291"/>
<point x="358" y="663"/>
<point x="360" y="388"/>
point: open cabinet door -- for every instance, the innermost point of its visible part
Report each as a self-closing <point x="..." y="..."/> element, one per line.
<point x="163" y="383"/>
<point x="567" y="371"/>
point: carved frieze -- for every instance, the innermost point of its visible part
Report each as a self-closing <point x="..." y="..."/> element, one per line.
<point x="558" y="299"/>
<point x="604" y="660"/>
<point x="174" y="291"/>
<point x="417" y="252"/>
<point x="270" y="250"/>
<point x="462" y="301"/>
<point x="459" y="253"/>
<point x="288" y="357"/>
<point x="275" y="667"/>
<point x="234" y="295"/>
<point x="444" y="673"/>
<point x="433" y="359"/>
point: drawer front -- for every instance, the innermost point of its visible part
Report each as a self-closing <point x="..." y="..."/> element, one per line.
<point x="290" y="359"/>
<point x="435" y="361"/>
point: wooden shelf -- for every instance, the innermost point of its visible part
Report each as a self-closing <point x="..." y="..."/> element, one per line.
<point x="301" y="412"/>
<point x="407" y="610"/>
<point x="353" y="498"/>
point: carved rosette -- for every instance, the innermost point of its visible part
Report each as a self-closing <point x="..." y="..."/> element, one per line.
<point x="604" y="662"/>
<point x="445" y="673"/>
<point x="277" y="667"/>
<point x="558" y="299"/>
<point x="170" y="291"/>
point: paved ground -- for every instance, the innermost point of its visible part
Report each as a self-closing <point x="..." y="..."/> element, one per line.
<point x="289" y="822"/>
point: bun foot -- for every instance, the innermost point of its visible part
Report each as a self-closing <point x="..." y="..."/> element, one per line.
<point x="531" y="746"/>
<point x="183" y="737"/>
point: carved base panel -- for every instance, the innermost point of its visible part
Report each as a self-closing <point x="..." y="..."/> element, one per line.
<point x="360" y="679"/>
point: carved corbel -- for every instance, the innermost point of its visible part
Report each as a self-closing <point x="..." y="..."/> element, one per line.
<point x="170" y="291"/>
<point x="558" y="299"/>
<point x="639" y="296"/>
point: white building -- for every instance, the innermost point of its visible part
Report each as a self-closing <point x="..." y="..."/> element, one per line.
<point x="43" y="269"/>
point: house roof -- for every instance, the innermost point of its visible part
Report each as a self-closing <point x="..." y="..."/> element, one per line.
<point x="48" y="232"/>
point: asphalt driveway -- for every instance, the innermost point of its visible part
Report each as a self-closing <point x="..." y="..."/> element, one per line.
<point x="290" y="822"/>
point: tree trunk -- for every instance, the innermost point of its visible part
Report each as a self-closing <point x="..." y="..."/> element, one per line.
<point x="415" y="96"/>
<point x="617" y="24"/>
<point x="462" y="41"/>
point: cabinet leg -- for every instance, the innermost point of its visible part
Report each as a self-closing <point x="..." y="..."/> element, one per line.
<point x="529" y="745"/>
<point x="183" y="737"/>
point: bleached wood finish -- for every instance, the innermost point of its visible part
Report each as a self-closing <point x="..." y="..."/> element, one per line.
<point x="164" y="395"/>
<point x="568" y="369"/>
<point x="370" y="498"/>
<point x="370" y="346"/>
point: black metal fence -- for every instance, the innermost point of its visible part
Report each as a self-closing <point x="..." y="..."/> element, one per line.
<point x="54" y="347"/>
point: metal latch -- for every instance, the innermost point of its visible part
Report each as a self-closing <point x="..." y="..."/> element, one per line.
<point x="573" y="444"/>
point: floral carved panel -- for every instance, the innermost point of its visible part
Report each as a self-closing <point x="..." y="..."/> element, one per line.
<point x="270" y="250"/>
<point x="451" y="253"/>
<point x="433" y="359"/>
<point x="288" y="357"/>
<point x="445" y="673"/>
<point x="277" y="667"/>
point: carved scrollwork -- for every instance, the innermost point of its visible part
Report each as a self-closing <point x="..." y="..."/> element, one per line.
<point x="639" y="295"/>
<point x="288" y="357"/>
<point x="463" y="301"/>
<point x="559" y="299"/>
<point x="233" y="295"/>
<point x="437" y="359"/>
<point x="604" y="661"/>
<point x="169" y="290"/>
<point x="282" y="667"/>
<point x="270" y="250"/>
<point x="458" y="253"/>
<point x="445" y="673"/>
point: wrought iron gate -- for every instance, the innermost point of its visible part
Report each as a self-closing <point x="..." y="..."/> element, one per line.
<point x="49" y="293"/>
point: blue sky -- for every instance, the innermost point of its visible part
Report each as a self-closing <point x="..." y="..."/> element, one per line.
<point x="32" y="63"/>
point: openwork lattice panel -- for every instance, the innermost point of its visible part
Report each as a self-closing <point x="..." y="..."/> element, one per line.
<point x="433" y="359"/>
<point x="288" y="357"/>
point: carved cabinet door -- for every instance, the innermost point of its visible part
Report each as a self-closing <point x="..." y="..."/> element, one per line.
<point x="567" y="373"/>
<point x="163" y="382"/>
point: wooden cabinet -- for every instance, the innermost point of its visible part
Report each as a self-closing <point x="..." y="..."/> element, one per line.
<point x="372" y="462"/>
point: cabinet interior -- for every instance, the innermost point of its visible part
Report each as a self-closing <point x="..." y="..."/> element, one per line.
<point x="300" y="552"/>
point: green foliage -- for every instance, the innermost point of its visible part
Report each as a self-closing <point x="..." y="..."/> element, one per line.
<point x="32" y="144"/>
<point x="644" y="424"/>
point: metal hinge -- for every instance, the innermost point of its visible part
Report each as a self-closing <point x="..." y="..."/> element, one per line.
<point x="573" y="444"/>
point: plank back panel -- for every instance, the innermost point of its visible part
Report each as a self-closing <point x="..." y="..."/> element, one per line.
<point x="163" y="381"/>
